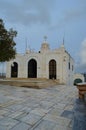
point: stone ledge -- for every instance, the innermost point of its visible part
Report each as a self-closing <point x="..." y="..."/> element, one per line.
<point x="30" y="83"/>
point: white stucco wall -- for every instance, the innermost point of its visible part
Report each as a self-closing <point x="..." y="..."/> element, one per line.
<point x="62" y="58"/>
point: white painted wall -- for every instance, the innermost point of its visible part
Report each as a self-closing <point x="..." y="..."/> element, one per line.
<point x="62" y="58"/>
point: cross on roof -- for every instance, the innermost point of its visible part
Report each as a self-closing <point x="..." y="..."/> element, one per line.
<point x="45" y="38"/>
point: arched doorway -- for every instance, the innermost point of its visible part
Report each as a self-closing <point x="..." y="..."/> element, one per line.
<point x="32" y="69"/>
<point x="14" y="70"/>
<point x="77" y="81"/>
<point x="52" y="69"/>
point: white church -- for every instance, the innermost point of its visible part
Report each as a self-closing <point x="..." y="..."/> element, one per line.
<point x="56" y="64"/>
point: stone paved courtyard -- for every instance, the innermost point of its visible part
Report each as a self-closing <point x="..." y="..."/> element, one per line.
<point x="37" y="109"/>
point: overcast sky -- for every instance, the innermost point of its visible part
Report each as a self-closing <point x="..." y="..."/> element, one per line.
<point x="57" y="19"/>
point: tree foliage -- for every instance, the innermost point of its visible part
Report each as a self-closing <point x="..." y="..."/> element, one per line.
<point x="7" y="44"/>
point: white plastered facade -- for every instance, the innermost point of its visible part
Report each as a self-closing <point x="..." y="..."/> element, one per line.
<point x="64" y="64"/>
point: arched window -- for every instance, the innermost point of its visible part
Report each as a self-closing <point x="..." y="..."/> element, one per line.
<point x="32" y="69"/>
<point x="14" y="70"/>
<point x="52" y="69"/>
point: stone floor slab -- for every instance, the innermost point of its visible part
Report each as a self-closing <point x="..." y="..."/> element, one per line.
<point x="67" y="114"/>
<point x="56" y="111"/>
<point x="45" y="125"/>
<point x="39" y="111"/>
<point x="36" y="109"/>
<point x="21" y="126"/>
<point x="57" y="119"/>
<point x="8" y="123"/>
<point x="31" y="119"/>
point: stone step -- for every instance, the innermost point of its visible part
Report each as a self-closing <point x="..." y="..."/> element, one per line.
<point x="30" y="83"/>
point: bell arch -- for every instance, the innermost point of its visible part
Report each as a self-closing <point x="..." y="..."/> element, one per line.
<point x="14" y="70"/>
<point x="32" y="69"/>
<point x="52" y="69"/>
